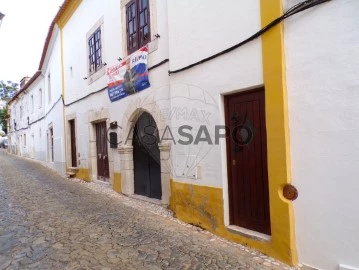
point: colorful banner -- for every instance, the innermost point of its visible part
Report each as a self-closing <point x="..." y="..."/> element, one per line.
<point x="129" y="76"/>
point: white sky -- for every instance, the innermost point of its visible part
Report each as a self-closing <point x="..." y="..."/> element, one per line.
<point x="22" y="35"/>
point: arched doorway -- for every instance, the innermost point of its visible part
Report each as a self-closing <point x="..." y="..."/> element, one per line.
<point x="146" y="157"/>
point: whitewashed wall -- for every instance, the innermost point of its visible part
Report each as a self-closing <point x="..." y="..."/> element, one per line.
<point x="323" y="90"/>
<point x="195" y="35"/>
<point x="54" y="107"/>
<point x="88" y="14"/>
<point x="41" y="114"/>
<point x="37" y="146"/>
<point x="238" y="70"/>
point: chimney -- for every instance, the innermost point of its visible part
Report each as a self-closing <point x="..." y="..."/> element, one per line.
<point x="24" y="81"/>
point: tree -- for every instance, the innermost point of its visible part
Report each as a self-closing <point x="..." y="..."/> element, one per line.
<point x="8" y="89"/>
<point x="3" y="119"/>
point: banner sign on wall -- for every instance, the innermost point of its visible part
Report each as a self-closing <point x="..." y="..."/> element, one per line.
<point x="129" y="76"/>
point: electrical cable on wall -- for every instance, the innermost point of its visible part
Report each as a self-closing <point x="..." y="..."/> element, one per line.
<point x="293" y="10"/>
<point x="39" y="119"/>
<point x="104" y="88"/>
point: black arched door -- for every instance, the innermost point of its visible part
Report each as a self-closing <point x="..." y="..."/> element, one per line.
<point x="146" y="157"/>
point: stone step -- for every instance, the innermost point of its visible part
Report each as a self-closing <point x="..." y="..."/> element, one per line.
<point x="73" y="169"/>
<point x="70" y="174"/>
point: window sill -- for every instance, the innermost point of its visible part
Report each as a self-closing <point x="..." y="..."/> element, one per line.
<point x="152" y="47"/>
<point x="97" y="75"/>
<point x="249" y="233"/>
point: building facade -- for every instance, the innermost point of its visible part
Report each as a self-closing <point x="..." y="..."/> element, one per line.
<point x="36" y="126"/>
<point x="239" y="128"/>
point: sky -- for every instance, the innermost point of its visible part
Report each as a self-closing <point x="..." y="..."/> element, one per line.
<point x="22" y="35"/>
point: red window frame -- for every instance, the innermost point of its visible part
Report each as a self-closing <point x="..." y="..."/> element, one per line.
<point x="138" y="27"/>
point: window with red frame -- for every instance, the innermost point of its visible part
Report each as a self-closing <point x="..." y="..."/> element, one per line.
<point x="137" y="24"/>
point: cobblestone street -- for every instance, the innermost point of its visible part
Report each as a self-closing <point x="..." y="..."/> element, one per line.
<point x="49" y="222"/>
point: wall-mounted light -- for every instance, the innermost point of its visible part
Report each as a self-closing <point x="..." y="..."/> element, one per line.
<point x="157" y="36"/>
<point x="1" y="17"/>
<point x="85" y="78"/>
<point x="105" y="64"/>
<point x="119" y="59"/>
<point x="113" y="125"/>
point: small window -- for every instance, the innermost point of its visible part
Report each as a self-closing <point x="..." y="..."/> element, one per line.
<point x="40" y="98"/>
<point x="137" y="24"/>
<point x="49" y="86"/>
<point x="95" y="51"/>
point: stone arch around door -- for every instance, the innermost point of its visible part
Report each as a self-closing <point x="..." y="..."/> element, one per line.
<point x="126" y="151"/>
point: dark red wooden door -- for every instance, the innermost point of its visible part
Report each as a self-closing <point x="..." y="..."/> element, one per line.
<point x="102" y="152"/>
<point x="73" y="144"/>
<point x="247" y="161"/>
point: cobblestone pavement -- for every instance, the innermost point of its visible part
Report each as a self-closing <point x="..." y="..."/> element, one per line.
<point x="49" y="222"/>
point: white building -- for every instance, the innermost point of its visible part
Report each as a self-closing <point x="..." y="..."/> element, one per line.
<point x="36" y="127"/>
<point x="275" y="94"/>
<point x="322" y="60"/>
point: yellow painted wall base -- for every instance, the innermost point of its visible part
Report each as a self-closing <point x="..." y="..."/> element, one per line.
<point x="117" y="182"/>
<point x="83" y="174"/>
<point x="203" y="206"/>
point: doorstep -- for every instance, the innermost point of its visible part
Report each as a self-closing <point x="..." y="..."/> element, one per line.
<point x="146" y="199"/>
<point x="249" y="233"/>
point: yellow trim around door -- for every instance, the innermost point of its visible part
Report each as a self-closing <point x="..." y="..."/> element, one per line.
<point x="274" y="74"/>
<point x="203" y="206"/>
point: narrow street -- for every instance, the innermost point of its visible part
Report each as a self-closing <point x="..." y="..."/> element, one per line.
<point x="48" y="222"/>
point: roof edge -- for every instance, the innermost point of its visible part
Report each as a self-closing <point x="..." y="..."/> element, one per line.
<point x="26" y="86"/>
<point x="65" y="12"/>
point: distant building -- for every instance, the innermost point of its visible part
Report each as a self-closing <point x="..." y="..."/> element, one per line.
<point x="24" y="81"/>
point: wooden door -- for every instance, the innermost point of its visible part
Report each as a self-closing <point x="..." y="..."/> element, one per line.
<point x="73" y="143"/>
<point x="247" y="161"/>
<point x="103" y="172"/>
<point x="146" y="155"/>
